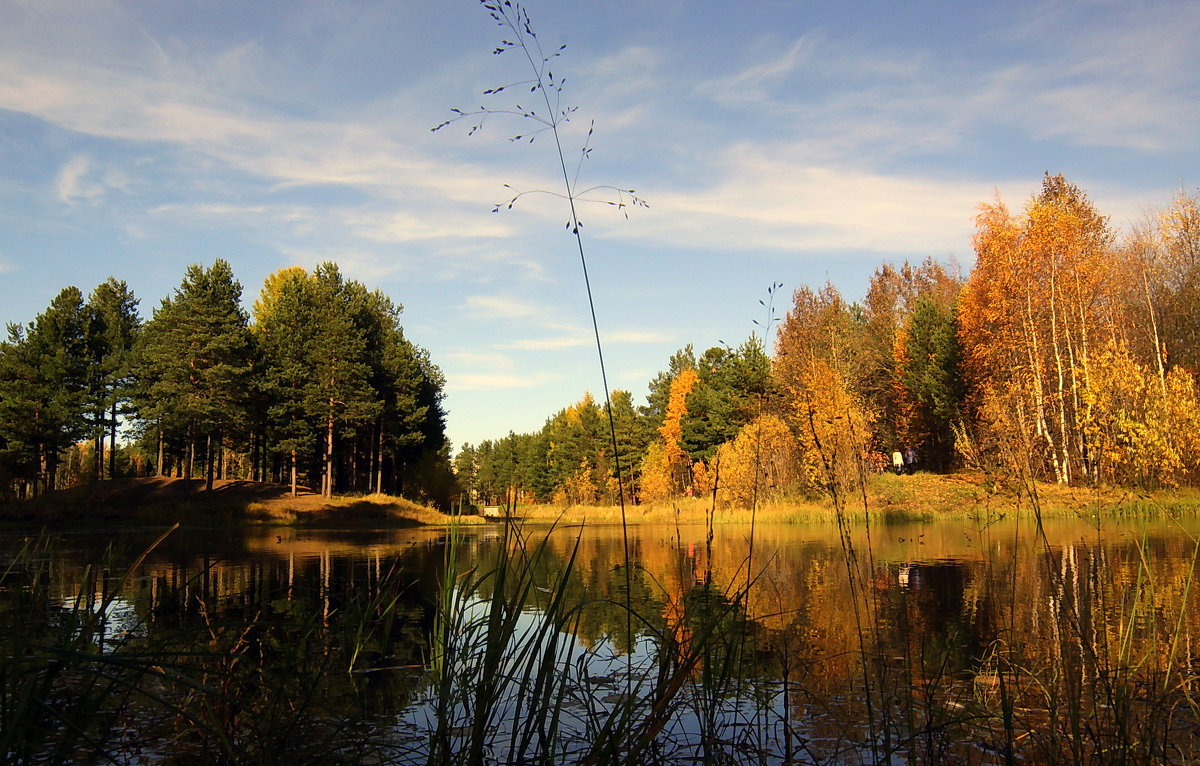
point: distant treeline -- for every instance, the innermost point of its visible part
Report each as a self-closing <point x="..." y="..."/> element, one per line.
<point x="1065" y="355"/>
<point x="318" y="386"/>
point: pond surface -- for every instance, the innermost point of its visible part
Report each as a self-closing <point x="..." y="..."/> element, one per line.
<point x="965" y="642"/>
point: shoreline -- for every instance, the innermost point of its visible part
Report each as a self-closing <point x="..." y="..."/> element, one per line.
<point x="161" y="499"/>
<point x="890" y="499"/>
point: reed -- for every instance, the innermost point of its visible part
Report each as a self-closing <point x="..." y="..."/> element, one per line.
<point x="500" y="644"/>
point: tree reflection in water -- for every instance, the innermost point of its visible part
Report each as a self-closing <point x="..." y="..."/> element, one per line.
<point x="980" y="646"/>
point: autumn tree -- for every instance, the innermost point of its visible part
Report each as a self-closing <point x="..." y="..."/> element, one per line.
<point x="1143" y="431"/>
<point x="816" y="366"/>
<point x="762" y="462"/>
<point x="1037" y="304"/>
<point x="1163" y="286"/>
<point x="893" y="295"/>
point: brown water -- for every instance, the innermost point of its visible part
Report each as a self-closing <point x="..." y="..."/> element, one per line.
<point x="953" y="642"/>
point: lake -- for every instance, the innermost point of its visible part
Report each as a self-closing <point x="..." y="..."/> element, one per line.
<point x="982" y="641"/>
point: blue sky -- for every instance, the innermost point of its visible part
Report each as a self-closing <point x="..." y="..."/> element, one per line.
<point x="788" y="141"/>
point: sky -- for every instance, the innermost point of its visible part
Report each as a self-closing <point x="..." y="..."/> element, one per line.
<point x="775" y="141"/>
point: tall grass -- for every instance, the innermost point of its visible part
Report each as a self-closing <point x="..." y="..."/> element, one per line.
<point x="511" y="650"/>
<point x="120" y="665"/>
<point x="511" y="680"/>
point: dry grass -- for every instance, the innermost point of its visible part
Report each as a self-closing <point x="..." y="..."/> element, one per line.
<point x="919" y="497"/>
<point x="376" y="507"/>
<point x="169" y="499"/>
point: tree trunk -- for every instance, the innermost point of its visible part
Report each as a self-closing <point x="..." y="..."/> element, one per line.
<point x="159" y="465"/>
<point x="1062" y="455"/>
<point x="379" y="460"/>
<point x="112" y="443"/>
<point x="293" y="473"/>
<point x="327" y="489"/>
<point x="41" y="471"/>
<point x="1159" y="350"/>
<point x="208" y="462"/>
<point x="254" y="456"/>
<point x="190" y="460"/>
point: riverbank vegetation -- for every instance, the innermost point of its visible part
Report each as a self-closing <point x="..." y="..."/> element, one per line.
<point x="165" y="500"/>
<point x="922" y="497"/>
<point x="318" y="386"/>
<point x="1065" y="356"/>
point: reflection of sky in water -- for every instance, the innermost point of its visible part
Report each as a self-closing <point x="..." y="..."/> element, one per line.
<point x="592" y="683"/>
<point x="941" y="593"/>
<point x="116" y="618"/>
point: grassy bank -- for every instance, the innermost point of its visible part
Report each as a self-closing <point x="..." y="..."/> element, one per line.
<point x="919" y="497"/>
<point x="160" y="499"/>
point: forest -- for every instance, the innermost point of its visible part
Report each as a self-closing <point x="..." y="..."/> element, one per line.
<point x="1067" y="354"/>
<point x="316" y="386"/>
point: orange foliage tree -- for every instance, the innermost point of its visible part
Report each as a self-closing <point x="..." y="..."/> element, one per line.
<point x="1038" y="302"/>
<point x="761" y="462"/>
<point x="816" y="364"/>
<point x="666" y="470"/>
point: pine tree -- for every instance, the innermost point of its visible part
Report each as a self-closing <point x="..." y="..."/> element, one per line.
<point x="285" y="324"/>
<point x="339" y="390"/>
<point x="43" y="388"/>
<point x="932" y="377"/>
<point x="112" y="330"/>
<point x="193" y="362"/>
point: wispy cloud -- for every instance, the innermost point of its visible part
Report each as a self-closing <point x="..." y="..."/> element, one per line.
<point x="1081" y="80"/>
<point x="72" y="186"/>
<point x="578" y="337"/>
<point x="768" y="200"/>
<point x="490" y="381"/>
<point x="501" y="307"/>
<point x="491" y="370"/>
<point x="490" y="360"/>
<point x="755" y="84"/>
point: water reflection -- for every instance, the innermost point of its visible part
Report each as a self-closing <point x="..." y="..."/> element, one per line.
<point x="970" y="643"/>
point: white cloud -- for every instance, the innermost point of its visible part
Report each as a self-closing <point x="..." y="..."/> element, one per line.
<point x="71" y="186"/>
<point x="499" y="380"/>
<point x="491" y="361"/>
<point x="485" y="371"/>
<point x="577" y="337"/>
<point x="409" y="227"/>
<point x="573" y="340"/>
<point x="177" y="107"/>
<point x="1081" y="80"/>
<point x="1123" y="79"/>
<point x="767" y="198"/>
<point x="501" y="307"/>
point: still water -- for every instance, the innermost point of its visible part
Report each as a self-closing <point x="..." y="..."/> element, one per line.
<point x="969" y="642"/>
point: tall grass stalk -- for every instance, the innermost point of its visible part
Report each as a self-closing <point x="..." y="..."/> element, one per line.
<point x="550" y="118"/>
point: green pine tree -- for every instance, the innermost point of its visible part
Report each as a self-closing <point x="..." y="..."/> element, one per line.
<point x="193" y="362"/>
